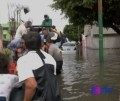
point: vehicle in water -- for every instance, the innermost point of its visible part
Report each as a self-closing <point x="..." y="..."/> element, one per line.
<point x="69" y="47"/>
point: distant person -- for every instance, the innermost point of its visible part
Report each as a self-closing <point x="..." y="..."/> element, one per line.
<point x="23" y="29"/>
<point x="12" y="28"/>
<point x="7" y="81"/>
<point x="56" y="53"/>
<point x="53" y="33"/>
<point x="15" y="44"/>
<point x="47" y="21"/>
<point x="58" y="42"/>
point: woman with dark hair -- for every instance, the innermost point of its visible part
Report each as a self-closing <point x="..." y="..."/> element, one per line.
<point x="7" y="81"/>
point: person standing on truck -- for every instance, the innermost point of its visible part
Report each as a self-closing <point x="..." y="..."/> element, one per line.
<point x="47" y="21"/>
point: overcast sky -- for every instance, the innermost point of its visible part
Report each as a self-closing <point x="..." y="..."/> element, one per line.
<point x="37" y="10"/>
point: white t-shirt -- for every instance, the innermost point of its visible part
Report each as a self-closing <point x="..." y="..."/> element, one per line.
<point x="31" y="61"/>
<point x="20" y="31"/>
<point x="7" y="82"/>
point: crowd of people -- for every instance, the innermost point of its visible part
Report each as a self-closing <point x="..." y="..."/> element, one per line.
<point x="38" y="59"/>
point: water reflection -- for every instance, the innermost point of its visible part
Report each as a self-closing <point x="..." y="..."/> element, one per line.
<point x="80" y="75"/>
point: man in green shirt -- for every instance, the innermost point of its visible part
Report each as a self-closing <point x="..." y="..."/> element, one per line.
<point x="47" y="21"/>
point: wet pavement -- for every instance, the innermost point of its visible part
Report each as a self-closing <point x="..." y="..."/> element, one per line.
<point x="82" y="72"/>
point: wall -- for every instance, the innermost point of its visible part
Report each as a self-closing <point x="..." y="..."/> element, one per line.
<point x="110" y="38"/>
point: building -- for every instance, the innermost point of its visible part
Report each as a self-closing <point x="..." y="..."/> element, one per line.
<point x="111" y="40"/>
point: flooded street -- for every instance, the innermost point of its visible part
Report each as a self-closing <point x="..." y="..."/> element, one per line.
<point x="81" y="73"/>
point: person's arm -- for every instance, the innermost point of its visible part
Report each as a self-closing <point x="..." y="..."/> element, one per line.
<point x="26" y="76"/>
<point x="30" y="88"/>
<point x="59" y="36"/>
<point x="54" y="30"/>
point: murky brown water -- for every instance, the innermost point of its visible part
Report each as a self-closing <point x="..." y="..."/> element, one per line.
<point x="81" y="73"/>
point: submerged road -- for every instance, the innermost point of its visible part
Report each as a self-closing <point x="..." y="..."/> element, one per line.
<point x="81" y="73"/>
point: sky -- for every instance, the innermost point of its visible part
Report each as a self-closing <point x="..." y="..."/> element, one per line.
<point x="37" y="10"/>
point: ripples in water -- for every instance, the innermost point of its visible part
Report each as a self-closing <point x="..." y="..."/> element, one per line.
<point x="80" y="75"/>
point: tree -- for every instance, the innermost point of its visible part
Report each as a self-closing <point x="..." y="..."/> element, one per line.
<point x="1" y="40"/>
<point x="82" y="12"/>
<point x="72" y="32"/>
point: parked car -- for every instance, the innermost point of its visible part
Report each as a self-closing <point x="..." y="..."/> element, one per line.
<point x="69" y="48"/>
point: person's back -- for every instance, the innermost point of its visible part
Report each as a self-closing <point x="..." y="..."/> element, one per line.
<point x="20" y="31"/>
<point x="23" y="29"/>
<point x="14" y="44"/>
<point x="56" y="53"/>
<point x="35" y="69"/>
<point x="32" y="62"/>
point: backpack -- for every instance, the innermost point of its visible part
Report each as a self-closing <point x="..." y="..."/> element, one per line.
<point x="47" y="87"/>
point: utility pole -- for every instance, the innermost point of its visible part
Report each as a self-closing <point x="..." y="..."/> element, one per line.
<point x="100" y="21"/>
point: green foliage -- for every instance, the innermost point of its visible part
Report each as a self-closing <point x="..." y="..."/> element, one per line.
<point x="7" y="51"/>
<point x="72" y="32"/>
<point x="81" y="12"/>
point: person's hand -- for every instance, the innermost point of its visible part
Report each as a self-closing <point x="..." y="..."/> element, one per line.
<point x="54" y="30"/>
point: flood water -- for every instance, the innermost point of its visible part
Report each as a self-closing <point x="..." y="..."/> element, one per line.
<point x="82" y="72"/>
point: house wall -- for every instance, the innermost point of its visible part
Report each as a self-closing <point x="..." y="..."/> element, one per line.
<point x="110" y="38"/>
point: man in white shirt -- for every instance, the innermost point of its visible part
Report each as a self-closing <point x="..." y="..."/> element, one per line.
<point x="34" y="68"/>
<point x="16" y="42"/>
<point x="23" y="29"/>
